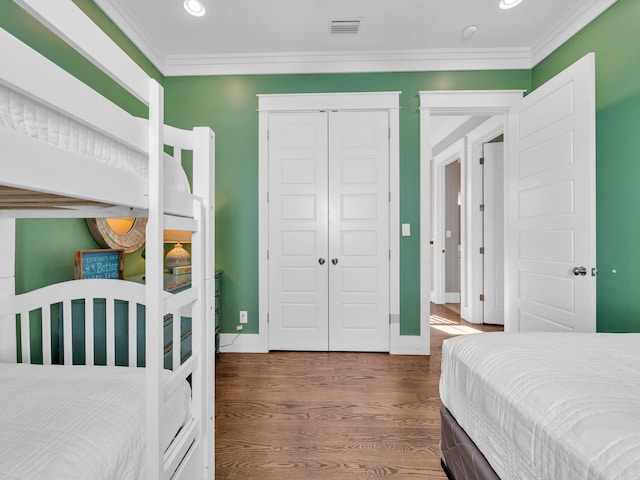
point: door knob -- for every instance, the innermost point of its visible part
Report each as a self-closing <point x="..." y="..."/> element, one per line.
<point x="334" y="261"/>
<point x="582" y="271"/>
<point x="321" y="261"/>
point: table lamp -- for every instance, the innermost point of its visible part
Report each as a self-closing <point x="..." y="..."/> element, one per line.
<point x="177" y="256"/>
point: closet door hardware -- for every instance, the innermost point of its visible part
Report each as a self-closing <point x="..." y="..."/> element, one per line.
<point x="582" y="271"/>
<point x="334" y="261"/>
<point x="321" y="261"/>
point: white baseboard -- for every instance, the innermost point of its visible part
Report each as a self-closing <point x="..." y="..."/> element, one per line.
<point x="399" y="344"/>
<point x="243" y="343"/>
<point x="452" y="297"/>
<point x="410" y="344"/>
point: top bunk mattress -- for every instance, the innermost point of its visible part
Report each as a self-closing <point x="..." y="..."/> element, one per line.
<point x="78" y="422"/>
<point x="26" y="116"/>
<point x="548" y="406"/>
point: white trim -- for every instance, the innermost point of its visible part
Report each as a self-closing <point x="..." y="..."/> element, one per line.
<point x="410" y="344"/>
<point x="328" y="101"/>
<point x="468" y="102"/>
<point x="353" y="61"/>
<point x="118" y="15"/>
<point x="244" y="342"/>
<point x="452" y="297"/>
<point x="442" y="103"/>
<point x="567" y="28"/>
<point x="319" y="101"/>
<point x="455" y="151"/>
<point x="348" y="61"/>
<point x="473" y="178"/>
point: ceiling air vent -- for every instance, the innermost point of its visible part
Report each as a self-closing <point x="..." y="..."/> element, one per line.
<point x="345" y="26"/>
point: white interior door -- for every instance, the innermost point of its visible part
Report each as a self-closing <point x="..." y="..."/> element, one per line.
<point x="493" y="229"/>
<point x="298" y="237"/>
<point x="359" y="231"/>
<point x="551" y="198"/>
<point x="329" y="231"/>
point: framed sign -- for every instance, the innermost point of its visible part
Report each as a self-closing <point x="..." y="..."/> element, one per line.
<point x="105" y="263"/>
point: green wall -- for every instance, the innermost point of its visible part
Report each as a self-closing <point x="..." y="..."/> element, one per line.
<point x="613" y="37"/>
<point x="228" y="104"/>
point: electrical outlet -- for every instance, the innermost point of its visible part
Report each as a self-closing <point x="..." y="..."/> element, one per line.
<point x="243" y="316"/>
<point x="238" y="327"/>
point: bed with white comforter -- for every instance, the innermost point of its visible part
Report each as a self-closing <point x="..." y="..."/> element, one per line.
<point x="78" y="422"/>
<point x="548" y="406"/>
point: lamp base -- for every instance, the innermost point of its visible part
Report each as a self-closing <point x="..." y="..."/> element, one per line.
<point x="177" y="257"/>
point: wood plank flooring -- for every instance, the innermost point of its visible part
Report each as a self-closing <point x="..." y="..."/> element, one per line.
<point x="342" y="416"/>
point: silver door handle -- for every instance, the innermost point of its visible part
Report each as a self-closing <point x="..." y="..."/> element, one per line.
<point x="321" y="261"/>
<point x="582" y="271"/>
<point x="334" y="261"/>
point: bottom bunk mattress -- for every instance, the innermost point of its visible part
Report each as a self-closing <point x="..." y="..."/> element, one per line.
<point x="548" y="406"/>
<point x="78" y="422"/>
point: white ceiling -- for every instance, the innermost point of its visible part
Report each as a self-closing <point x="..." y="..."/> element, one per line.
<point x="289" y="36"/>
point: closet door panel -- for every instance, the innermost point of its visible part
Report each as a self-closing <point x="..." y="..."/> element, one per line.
<point x="358" y="231"/>
<point x="298" y="280"/>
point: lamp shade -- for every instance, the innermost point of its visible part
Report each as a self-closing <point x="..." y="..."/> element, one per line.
<point x="177" y="236"/>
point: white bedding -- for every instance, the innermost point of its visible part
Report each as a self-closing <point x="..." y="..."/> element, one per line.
<point x="548" y="406"/>
<point x="22" y="114"/>
<point x="77" y="422"/>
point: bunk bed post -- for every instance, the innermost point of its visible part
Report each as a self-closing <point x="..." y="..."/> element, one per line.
<point x="8" y="333"/>
<point x="204" y="187"/>
<point x="154" y="287"/>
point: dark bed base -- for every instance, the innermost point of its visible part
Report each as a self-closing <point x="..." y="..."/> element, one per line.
<point x="461" y="459"/>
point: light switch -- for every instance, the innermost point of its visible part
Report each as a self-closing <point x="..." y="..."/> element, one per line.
<point x="448" y="233"/>
<point x="406" y="229"/>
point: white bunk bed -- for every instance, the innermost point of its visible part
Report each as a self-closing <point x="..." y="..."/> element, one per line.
<point x="170" y="413"/>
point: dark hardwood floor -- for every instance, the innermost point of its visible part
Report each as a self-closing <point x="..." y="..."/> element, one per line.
<point x="342" y="416"/>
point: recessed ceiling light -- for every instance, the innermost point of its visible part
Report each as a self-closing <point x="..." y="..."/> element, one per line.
<point x="194" y="7"/>
<point x="506" y="4"/>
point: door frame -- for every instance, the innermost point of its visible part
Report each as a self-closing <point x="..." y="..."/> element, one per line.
<point x="447" y="102"/>
<point x="363" y="101"/>
<point x="472" y="310"/>
<point x="455" y="152"/>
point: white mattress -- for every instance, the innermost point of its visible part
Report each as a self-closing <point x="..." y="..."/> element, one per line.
<point x="548" y="406"/>
<point x="24" y="115"/>
<point x="77" y="422"/>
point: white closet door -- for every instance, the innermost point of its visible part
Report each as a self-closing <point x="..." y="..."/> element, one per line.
<point x="493" y="233"/>
<point x="298" y="263"/>
<point x="359" y="231"/>
<point x="551" y="198"/>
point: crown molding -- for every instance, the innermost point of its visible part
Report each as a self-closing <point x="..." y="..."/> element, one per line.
<point x="354" y="61"/>
<point x="119" y="15"/>
<point x="348" y="62"/>
<point x="567" y="28"/>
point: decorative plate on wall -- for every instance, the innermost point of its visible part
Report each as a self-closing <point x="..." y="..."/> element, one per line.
<point x="125" y="233"/>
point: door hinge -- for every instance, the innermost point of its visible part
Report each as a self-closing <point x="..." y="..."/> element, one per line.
<point x="267" y="134"/>
<point x="267" y="317"/>
<point x="481" y="160"/>
<point x="389" y="132"/>
<point x="594" y="272"/>
<point x="482" y="207"/>
<point x="267" y="254"/>
<point x="389" y="319"/>
<point x="482" y="297"/>
<point x="481" y="250"/>
<point x="389" y="197"/>
<point x="267" y="197"/>
<point x="389" y="254"/>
